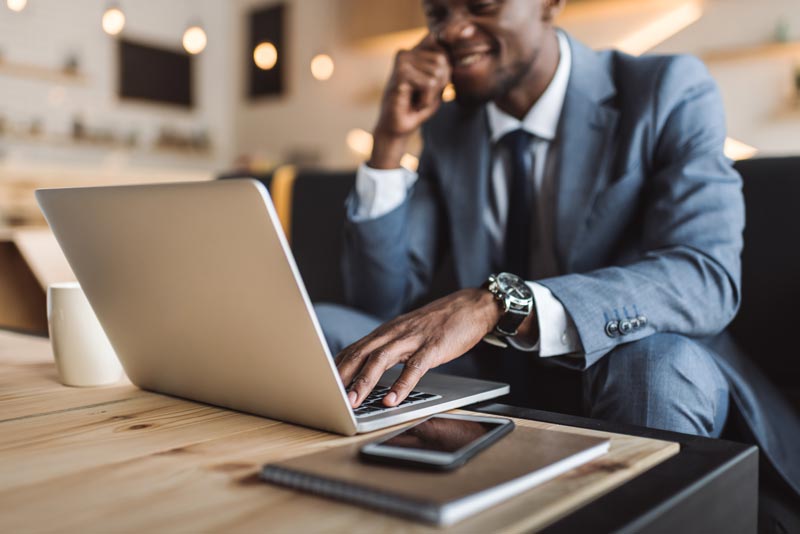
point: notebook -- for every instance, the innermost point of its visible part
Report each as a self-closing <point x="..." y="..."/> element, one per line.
<point x="522" y="460"/>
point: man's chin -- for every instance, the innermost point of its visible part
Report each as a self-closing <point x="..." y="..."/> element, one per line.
<point x="477" y="94"/>
<point x="467" y="99"/>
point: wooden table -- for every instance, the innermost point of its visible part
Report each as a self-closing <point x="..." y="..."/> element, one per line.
<point x="121" y="459"/>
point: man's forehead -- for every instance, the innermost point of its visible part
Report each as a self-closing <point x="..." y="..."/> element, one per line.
<point x="438" y="3"/>
<point x="426" y="4"/>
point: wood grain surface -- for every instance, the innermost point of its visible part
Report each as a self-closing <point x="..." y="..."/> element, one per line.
<point x="119" y="459"/>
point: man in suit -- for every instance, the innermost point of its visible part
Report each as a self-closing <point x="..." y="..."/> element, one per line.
<point x="594" y="181"/>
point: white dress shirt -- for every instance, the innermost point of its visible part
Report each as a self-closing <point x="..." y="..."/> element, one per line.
<point x="380" y="191"/>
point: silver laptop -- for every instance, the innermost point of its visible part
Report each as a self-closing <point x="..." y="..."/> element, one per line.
<point x="198" y="292"/>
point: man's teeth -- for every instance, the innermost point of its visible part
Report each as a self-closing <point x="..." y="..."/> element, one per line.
<point x="469" y="59"/>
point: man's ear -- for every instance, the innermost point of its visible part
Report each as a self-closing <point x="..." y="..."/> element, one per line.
<point x="551" y="9"/>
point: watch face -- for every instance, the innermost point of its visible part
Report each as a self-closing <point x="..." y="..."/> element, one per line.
<point x="514" y="286"/>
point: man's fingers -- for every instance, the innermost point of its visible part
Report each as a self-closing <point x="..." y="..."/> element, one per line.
<point x="414" y="91"/>
<point x="425" y="338"/>
<point x="415" y="368"/>
<point x="427" y="99"/>
<point x="436" y="69"/>
<point x="423" y="73"/>
<point x="374" y="367"/>
<point x="432" y="64"/>
<point x="430" y="43"/>
<point x="351" y="348"/>
<point x="418" y="78"/>
<point x="353" y="357"/>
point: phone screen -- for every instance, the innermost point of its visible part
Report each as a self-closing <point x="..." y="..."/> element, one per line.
<point x="441" y="434"/>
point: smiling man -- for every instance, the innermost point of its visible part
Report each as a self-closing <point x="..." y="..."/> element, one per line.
<point x="588" y="212"/>
<point x="584" y="198"/>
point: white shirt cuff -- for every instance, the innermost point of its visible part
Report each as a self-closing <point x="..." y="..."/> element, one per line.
<point x="379" y="191"/>
<point x="557" y="333"/>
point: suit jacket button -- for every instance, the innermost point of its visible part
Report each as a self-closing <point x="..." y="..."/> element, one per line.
<point x="642" y="320"/>
<point x="635" y="323"/>
<point x="625" y="327"/>
<point x="612" y="328"/>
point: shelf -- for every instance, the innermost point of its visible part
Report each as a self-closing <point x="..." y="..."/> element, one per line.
<point x="40" y="73"/>
<point x="59" y="141"/>
<point x="788" y="114"/>
<point x="64" y="141"/>
<point x="765" y="51"/>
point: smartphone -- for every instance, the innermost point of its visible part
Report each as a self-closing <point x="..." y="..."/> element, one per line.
<point x="442" y="442"/>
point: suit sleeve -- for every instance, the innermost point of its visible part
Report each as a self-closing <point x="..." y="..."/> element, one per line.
<point x="389" y="261"/>
<point x="379" y="191"/>
<point x="685" y="276"/>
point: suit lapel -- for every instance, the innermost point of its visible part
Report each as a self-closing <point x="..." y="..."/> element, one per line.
<point x="465" y="190"/>
<point x="584" y="142"/>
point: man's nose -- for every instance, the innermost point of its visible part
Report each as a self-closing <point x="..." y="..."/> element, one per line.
<point x="454" y="28"/>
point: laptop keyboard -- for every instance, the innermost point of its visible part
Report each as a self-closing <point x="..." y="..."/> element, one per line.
<point x="373" y="404"/>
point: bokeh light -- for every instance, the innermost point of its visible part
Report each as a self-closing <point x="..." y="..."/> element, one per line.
<point x="195" y="40"/>
<point x="113" y="21"/>
<point x="322" y="67"/>
<point x="265" y="55"/>
<point x="16" y="5"/>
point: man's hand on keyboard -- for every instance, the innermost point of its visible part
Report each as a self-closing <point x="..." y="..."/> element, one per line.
<point x="422" y="339"/>
<point x="373" y="403"/>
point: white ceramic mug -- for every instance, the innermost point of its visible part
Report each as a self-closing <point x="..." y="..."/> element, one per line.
<point x="83" y="354"/>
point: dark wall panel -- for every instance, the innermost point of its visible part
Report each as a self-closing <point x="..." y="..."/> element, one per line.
<point x="267" y="24"/>
<point x="155" y="74"/>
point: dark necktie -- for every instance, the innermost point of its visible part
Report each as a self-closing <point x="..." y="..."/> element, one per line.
<point x="521" y="204"/>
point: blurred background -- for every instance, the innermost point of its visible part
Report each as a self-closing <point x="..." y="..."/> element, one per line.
<point x="129" y="91"/>
<point x="147" y="90"/>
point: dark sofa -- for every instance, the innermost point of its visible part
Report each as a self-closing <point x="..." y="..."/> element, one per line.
<point x="767" y="322"/>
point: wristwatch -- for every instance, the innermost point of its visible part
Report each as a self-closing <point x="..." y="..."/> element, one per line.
<point x="516" y="301"/>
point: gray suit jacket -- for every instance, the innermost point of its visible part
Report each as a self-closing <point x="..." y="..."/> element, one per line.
<point x="649" y="220"/>
<point x="649" y="213"/>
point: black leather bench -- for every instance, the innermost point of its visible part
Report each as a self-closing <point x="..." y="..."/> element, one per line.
<point x="768" y="323"/>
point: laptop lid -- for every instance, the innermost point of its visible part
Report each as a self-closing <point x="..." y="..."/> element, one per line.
<point x="199" y="294"/>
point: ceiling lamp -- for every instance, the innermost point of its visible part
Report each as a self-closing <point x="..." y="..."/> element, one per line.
<point x="322" y="67"/>
<point x="265" y="55"/>
<point x="113" y="21"/>
<point x="194" y="40"/>
<point x="16" y="5"/>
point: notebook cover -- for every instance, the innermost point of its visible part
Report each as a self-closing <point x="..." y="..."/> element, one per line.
<point x="529" y="456"/>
